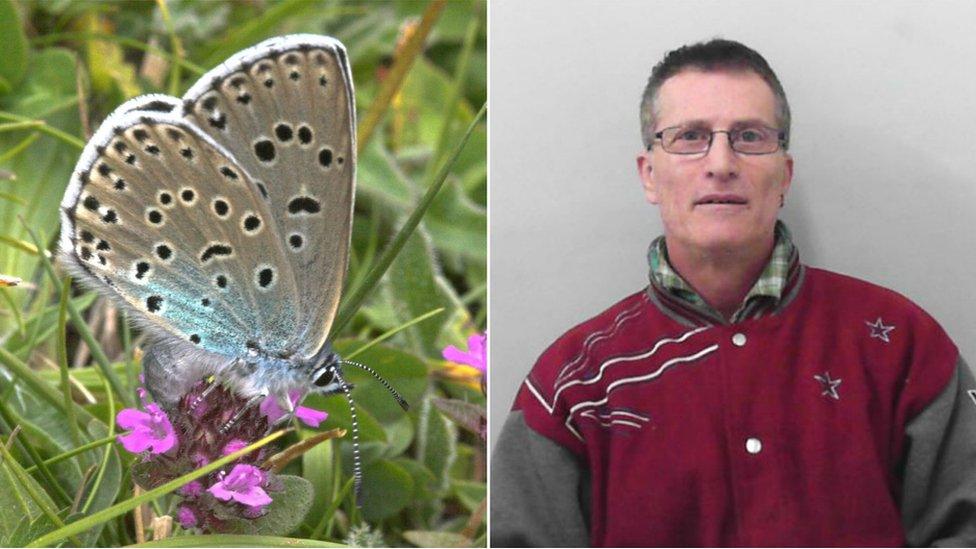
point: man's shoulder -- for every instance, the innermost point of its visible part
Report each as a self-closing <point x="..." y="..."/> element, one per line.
<point x="854" y="295"/>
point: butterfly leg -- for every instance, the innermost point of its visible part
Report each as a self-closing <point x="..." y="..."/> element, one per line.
<point x="203" y="395"/>
<point x="253" y="401"/>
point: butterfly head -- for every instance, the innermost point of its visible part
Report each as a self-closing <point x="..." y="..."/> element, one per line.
<point x="327" y="378"/>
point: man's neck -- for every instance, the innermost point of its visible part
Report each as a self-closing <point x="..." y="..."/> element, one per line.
<point x="721" y="278"/>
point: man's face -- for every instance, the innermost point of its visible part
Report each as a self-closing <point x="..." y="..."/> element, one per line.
<point x="682" y="186"/>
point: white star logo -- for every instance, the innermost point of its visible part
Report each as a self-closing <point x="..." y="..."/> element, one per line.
<point x="879" y="330"/>
<point x="829" y="385"/>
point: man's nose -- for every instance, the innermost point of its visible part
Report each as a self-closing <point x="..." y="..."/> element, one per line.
<point x="721" y="161"/>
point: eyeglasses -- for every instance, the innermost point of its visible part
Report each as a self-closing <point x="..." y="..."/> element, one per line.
<point x="746" y="140"/>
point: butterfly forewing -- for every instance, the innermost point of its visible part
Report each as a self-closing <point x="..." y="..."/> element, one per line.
<point x="284" y="110"/>
<point x="162" y="217"/>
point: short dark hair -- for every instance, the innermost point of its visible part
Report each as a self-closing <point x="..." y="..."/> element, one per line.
<point x="717" y="54"/>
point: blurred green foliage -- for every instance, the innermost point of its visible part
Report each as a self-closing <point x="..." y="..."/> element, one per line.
<point x="65" y="65"/>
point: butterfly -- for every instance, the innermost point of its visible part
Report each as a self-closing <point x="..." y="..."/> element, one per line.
<point x="221" y="222"/>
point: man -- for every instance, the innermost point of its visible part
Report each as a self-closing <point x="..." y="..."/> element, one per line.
<point x="742" y="398"/>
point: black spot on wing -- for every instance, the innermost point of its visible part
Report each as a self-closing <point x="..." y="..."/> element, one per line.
<point x="264" y="150"/>
<point x="215" y="250"/>
<point x="304" y="205"/>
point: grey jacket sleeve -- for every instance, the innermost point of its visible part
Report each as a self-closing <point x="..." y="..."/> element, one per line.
<point x="535" y="491"/>
<point x="938" y="504"/>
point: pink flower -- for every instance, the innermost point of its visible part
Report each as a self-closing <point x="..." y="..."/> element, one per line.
<point x="191" y="489"/>
<point x="242" y="485"/>
<point x="309" y="416"/>
<point x="186" y="517"/>
<point x="149" y="430"/>
<point x="233" y="446"/>
<point x="476" y="356"/>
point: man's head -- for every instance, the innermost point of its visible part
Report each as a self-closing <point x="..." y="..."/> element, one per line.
<point x="719" y="199"/>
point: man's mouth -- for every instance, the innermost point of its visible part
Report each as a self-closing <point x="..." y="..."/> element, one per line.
<point x="732" y="199"/>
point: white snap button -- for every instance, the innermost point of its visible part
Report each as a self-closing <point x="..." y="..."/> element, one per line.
<point x="739" y="340"/>
<point x="753" y="446"/>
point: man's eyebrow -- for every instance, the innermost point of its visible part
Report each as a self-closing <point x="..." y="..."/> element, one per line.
<point x="702" y="123"/>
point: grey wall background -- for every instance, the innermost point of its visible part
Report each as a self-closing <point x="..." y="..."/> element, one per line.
<point x="883" y="96"/>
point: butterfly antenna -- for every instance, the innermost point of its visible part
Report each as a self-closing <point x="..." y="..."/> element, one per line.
<point x="357" y="463"/>
<point x="403" y="403"/>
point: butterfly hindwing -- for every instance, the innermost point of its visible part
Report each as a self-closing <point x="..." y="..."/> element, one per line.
<point x="285" y="110"/>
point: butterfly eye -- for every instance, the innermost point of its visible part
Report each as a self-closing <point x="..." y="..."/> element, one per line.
<point x="325" y="379"/>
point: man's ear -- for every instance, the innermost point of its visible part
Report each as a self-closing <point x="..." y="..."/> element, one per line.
<point x="647" y="177"/>
<point x="787" y="175"/>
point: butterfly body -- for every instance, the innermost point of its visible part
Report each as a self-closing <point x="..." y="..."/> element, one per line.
<point x="221" y="220"/>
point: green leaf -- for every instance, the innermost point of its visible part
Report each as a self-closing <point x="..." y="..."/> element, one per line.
<point x="108" y="488"/>
<point x="317" y="469"/>
<point x="424" y="483"/>
<point x="16" y="504"/>
<point x="283" y="514"/>
<point x="386" y="489"/>
<point x="470" y="493"/>
<point x="436" y="443"/>
<point x="13" y="44"/>
<point x="466" y="414"/>
<point x="416" y="285"/>
<point x="232" y="540"/>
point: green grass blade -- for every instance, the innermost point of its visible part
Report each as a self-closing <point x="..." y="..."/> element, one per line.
<point x="227" y="540"/>
<point x="108" y="451"/>
<point x="42" y="126"/>
<point x="96" y="350"/>
<point x="261" y="27"/>
<point x="24" y="481"/>
<point x="53" y="485"/>
<point x="398" y="73"/>
<point x="15" y="310"/>
<point x="384" y="261"/>
<point x="130" y="504"/>
<point x="72" y="453"/>
<point x="125" y="41"/>
<point x="390" y="333"/>
<point x="329" y="513"/>
<point x="175" y="44"/>
<point x="457" y="88"/>
<point x="62" y="350"/>
<point x="40" y="387"/>
<point x="19" y="147"/>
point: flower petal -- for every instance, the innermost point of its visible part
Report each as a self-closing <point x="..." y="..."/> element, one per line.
<point x="254" y="496"/>
<point x="221" y="492"/>
<point x="162" y="445"/>
<point x="136" y="441"/>
<point x="310" y="416"/>
<point x="130" y="418"/>
<point x="270" y="409"/>
<point x="233" y="446"/>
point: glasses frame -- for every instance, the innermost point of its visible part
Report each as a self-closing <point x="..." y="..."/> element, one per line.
<point x="781" y="141"/>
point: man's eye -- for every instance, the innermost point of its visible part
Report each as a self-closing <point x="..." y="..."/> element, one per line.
<point x="691" y="135"/>
<point x="751" y="136"/>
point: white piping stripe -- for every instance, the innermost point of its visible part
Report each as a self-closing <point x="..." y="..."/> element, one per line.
<point x="611" y="423"/>
<point x="596" y="336"/>
<point x="628" y="380"/>
<point x="538" y="397"/>
<point x="615" y="360"/>
<point x="609" y="415"/>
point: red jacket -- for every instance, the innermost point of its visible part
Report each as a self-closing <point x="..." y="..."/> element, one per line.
<point x="781" y="430"/>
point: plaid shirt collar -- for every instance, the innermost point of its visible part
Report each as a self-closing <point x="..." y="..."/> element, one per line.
<point x="764" y="296"/>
